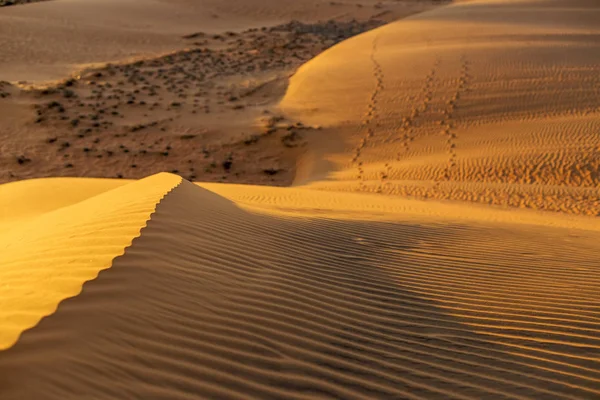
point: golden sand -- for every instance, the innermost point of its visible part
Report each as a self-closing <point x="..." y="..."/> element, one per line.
<point x="440" y="241"/>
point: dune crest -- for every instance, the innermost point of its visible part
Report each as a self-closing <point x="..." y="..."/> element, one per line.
<point x="213" y="300"/>
<point x="46" y="258"/>
<point x="376" y="275"/>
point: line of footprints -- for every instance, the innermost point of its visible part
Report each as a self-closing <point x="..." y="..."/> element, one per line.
<point x="370" y="122"/>
<point x="447" y="122"/>
<point x="406" y="131"/>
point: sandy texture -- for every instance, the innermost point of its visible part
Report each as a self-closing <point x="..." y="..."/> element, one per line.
<point x="49" y="40"/>
<point x="356" y="282"/>
<point x="206" y="113"/>
<point x="494" y="102"/>
<point x="72" y="241"/>
<point x="6" y="3"/>
<point x="214" y="300"/>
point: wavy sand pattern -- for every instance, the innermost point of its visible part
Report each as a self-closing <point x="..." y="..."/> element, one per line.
<point x="484" y="101"/>
<point x="361" y="282"/>
<point x="317" y="307"/>
<point x="47" y="258"/>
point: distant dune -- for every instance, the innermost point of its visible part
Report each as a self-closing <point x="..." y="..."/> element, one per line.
<point x="440" y="241"/>
<point x="494" y="102"/>
<point x="129" y="89"/>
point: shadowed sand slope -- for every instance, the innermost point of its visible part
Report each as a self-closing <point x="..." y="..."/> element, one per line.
<point x="494" y="102"/>
<point x="47" y="256"/>
<point x="164" y="289"/>
<point x="217" y="301"/>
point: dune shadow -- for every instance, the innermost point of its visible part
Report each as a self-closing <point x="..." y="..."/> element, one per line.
<point x="215" y="302"/>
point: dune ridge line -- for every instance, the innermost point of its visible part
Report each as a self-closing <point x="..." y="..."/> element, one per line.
<point x="86" y="236"/>
<point x="213" y="300"/>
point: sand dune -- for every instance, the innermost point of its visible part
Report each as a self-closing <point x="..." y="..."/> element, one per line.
<point x="215" y="95"/>
<point x="216" y="301"/>
<point x="20" y="201"/>
<point x="359" y="281"/>
<point x="47" y="257"/>
<point x="493" y="102"/>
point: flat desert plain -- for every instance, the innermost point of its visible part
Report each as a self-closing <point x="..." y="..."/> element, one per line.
<point x="351" y="199"/>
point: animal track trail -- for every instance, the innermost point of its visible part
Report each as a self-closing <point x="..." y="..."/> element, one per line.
<point x="369" y="123"/>
<point x="408" y="122"/>
<point x="448" y="124"/>
<point x="407" y="132"/>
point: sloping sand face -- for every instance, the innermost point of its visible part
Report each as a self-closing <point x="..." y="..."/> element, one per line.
<point x="49" y="251"/>
<point x="21" y="201"/>
<point x="161" y="288"/>
<point x="214" y="300"/>
<point x="495" y="102"/>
